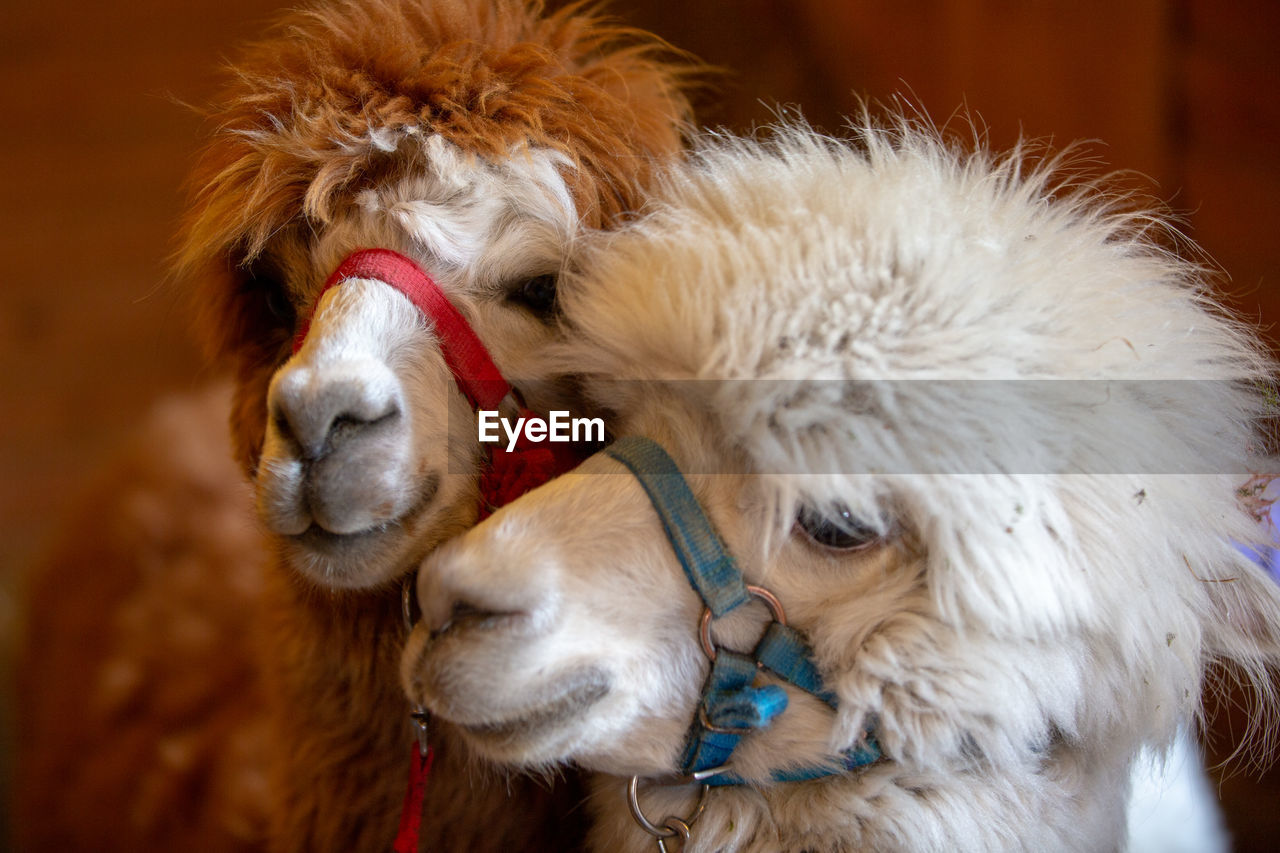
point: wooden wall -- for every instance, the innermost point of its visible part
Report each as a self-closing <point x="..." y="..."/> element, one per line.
<point x="1181" y="91"/>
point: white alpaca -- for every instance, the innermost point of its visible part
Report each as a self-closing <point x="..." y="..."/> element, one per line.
<point x="1011" y="583"/>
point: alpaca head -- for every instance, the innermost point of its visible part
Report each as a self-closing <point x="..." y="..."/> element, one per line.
<point x="925" y="398"/>
<point x="476" y="138"/>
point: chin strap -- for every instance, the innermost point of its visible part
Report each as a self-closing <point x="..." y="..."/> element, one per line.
<point x="732" y="705"/>
<point x="507" y="474"/>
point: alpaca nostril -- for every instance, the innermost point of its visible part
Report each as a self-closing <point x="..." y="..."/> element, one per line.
<point x="317" y="412"/>
<point x="349" y="424"/>
<point x="284" y="429"/>
<point x="466" y="615"/>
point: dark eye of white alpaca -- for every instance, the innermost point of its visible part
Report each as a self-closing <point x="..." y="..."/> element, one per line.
<point x="538" y="294"/>
<point x="838" y="529"/>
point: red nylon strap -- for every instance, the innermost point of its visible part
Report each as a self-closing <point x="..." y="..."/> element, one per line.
<point x="411" y="811"/>
<point x="512" y="473"/>
<point x="477" y="376"/>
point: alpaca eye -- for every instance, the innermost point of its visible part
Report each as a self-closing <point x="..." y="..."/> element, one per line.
<point x="842" y="531"/>
<point x="279" y="305"/>
<point x="538" y="294"/>
<point x="262" y="281"/>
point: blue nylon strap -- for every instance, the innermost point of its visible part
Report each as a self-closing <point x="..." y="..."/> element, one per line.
<point x="708" y="565"/>
<point x="729" y="702"/>
<point x="746" y="708"/>
<point x="785" y="653"/>
<point x="730" y="706"/>
<point x="858" y="756"/>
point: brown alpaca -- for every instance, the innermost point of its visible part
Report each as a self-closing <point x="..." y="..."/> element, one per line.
<point x="475" y="138"/>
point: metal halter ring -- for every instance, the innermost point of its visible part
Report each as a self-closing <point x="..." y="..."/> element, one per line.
<point x="681" y="828"/>
<point x="671" y="825"/>
<point x="418" y="714"/>
<point x="704" y="626"/>
<point x="406" y="603"/>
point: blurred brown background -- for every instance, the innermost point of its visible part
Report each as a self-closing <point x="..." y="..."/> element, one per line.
<point x="97" y="140"/>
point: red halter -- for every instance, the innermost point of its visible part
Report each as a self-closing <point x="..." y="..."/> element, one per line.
<point x="507" y="474"/>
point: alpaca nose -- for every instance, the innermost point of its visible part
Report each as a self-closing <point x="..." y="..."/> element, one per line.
<point x="441" y="599"/>
<point x="471" y="585"/>
<point x="321" y="409"/>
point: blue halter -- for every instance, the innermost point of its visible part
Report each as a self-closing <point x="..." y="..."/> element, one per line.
<point x="730" y="707"/>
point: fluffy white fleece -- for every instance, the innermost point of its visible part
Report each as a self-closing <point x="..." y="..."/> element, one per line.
<point x="1042" y="410"/>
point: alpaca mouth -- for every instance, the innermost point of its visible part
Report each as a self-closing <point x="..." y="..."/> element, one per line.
<point x="582" y="690"/>
<point x="324" y="542"/>
<point x="366" y="557"/>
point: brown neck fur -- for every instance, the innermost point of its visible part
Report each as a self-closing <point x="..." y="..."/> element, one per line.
<point x="342" y="739"/>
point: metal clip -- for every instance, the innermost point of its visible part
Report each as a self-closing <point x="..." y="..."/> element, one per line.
<point x="678" y="827"/>
<point x="420" y="717"/>
<point x="672" y="826"/>
<point x="700" y="776"/>
<point x="406" y="603"/>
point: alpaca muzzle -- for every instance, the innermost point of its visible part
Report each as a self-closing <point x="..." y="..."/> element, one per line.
<point x="508" y="472"/>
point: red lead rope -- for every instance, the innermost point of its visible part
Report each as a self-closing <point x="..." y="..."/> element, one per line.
<point x="507" y="475"/>
<point x="411" y="810"/>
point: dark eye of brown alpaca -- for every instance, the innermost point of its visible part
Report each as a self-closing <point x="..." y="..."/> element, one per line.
<point x="538" y="294"/>
<point x="265" y="284"/>
<point x="280" y="307"/>
<point x="838" y="529"/>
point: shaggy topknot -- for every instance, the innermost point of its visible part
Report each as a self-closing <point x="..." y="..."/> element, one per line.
<point x="313" y="112"/>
